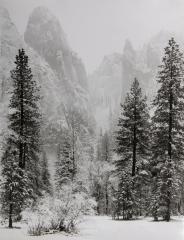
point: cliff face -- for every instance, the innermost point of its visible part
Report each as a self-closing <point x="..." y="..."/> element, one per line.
<point x="113" y="78"/>
<point x="106" y="86"/>
<point x="45" y="35"/>
<point x="10" y="42"/>
<point x="56" y="68"/>
<point x="58" y="71"/>
<point x="61" y="73"/>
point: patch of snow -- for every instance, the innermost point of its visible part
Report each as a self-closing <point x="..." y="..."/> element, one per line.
<point x="103" y="228"/>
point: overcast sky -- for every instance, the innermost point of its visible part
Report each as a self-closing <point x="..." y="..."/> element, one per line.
<point x="95" y="28"/>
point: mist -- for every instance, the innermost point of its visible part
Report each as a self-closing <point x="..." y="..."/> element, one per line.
<point x="97" y="28"/>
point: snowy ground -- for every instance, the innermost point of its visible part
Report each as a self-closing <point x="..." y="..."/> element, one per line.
<point x="103" y="228"/>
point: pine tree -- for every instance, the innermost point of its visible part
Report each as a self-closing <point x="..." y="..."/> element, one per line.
<point x="45" y="174"/>
<point x="132" y="144"/>
<point x="22" y="144"/>
<point x="25" y="117"/>
<point x="106" y="148"/>
<point x="168" y="131"/>
<point x="100" y="175"/>
<point x="15" y="187"/>
<point x="75" y="121"/>
<point x="64" y="163"/>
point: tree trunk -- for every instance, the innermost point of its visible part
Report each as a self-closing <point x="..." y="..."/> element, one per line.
<point x="73" y="153"/>
<point x="134" y="144"/>
<point x="24" y="156"/>
<point x="168" y="212"/>
<point x="167" y="217"/>
<point x="21" y="145"/>
<point x="107" y="199"/>
<point x="10" y="225"/>
<point x="170" y="122"/>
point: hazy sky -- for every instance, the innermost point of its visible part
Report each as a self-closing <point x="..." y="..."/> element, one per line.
<point x="95" y="28"/>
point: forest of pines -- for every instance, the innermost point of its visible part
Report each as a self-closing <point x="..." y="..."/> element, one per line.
<point x="133" y="169"/>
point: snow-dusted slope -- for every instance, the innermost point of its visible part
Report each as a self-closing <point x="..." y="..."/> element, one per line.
<point x="10" y="42"/>
<point x="106" y="85"/>
<point x="45" y="35"/>
<point x="112" y="80"/>
<point x="56" y="68"/>
<point x="135" y="65"/>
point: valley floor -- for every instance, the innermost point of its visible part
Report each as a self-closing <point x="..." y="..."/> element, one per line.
<point x="103" y="228"/>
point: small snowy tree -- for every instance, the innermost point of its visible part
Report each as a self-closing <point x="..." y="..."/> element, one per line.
<point x="100" y="174"/>
<point x="64" y="163"/>
<point x="106" y="147"/>
<point x="45" y="174"/>
<point x="15" y="189"/>
<point x="74" y="120"/>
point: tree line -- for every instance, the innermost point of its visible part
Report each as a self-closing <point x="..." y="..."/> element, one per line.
<point x="145" y="179"/>
<point x="25" y="169"/>
<point x="150" y="150"/>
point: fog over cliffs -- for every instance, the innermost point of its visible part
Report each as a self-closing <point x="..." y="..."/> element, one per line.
<point x="58" y="70"/>
<point x="61" y="72"/>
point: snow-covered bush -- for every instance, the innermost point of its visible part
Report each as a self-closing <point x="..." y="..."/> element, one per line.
<point x="38" y="217"/>
<point x="60" y="213"/>
<point x="37" y="228"/>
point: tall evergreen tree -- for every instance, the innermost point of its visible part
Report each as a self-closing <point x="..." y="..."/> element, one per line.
<point x="25" y="117"/>
<point x="168" y="132"/>
<point x="22" y="144"/>
<point x="132" y="144"/>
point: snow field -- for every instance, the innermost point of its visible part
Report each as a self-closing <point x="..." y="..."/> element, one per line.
<point x="103" y="228"/>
